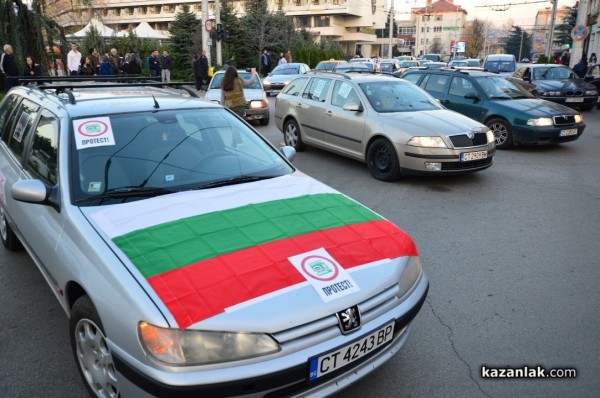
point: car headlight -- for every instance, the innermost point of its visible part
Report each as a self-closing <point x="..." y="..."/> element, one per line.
<point x="256" y="104"/>
<point x="490" y="136"/>
<point x="265" y="81"/>
<point x="410" y="275"/>
<point x="551" y="93"/>
<point x="578" y="118"/>
<point x="428" y="142"/>
<point x="591" y="92"/>
<point x="198" y="347"/>
<point x="541" y="121"/>
<point x="285" y="83"/>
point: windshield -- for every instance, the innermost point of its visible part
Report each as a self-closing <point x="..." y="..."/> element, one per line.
<point x="215" y="83"/>
<point x="500" y="66"/>
<point x="473" y="62"/>
<point x="286" y="70"/>
<point x="408" y="64"/>
<point x="352" y="68"/>
<point x="151" y="153"/>
<point x="457" y="64"/>
<point x="553" y="73"/>
<point x="497" y="87"/>
<point x="386" y="96"/>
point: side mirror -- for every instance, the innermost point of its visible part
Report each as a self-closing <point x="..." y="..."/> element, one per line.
<point x="289" y="152"/>
<point x="353" y="107"/>
<point x="472" y="96"/>
<point x="35" y="191"/>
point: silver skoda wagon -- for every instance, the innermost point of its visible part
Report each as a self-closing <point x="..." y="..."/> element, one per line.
<point x="190" y="256"/>
<point x="390" y="124"/>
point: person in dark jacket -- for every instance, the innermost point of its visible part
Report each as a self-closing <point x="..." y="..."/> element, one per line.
<point x="154" y="64"/>
<point x="106" y="67"/>
<point x="166" y="64"/>
<point x="200" y="67"/>
<point x="86" y="68"/>
<point x="8" y="67"/>
<point x="581" y="67"/>
<point x="95" y="60"/>
<point x="135" y="64"/>
<point x="31" y="68"/>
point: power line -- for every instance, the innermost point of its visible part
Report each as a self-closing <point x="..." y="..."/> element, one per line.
<point x="505" y="7"/>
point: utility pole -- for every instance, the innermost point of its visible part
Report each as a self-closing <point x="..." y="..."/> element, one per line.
<point x="205" y="34"/>
<point x="577" y="49"/>
<point x="391" y="28"/>
<point x="521" y="47"/>
<point x="551" y="37"/>
<point x="218" y="22"/>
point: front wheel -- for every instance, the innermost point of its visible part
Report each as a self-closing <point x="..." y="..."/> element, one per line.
<point x="9" y="239"/>
<point x="382" y="160"/>
<point x="502" y="132"/>
<point x="291" y="135"/>
<point x="92" y="355"/>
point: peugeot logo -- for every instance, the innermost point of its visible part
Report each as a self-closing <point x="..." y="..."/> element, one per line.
<point x="471" y="135"/>
<point x="349" y="319"/>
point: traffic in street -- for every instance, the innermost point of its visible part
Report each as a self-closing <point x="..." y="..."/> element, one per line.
<point x="511" y="253"/>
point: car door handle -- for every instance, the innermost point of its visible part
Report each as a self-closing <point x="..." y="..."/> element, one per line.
<point x="445" y="101"/>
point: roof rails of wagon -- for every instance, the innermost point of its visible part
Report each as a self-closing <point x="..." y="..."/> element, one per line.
<point x="67" y="86"/>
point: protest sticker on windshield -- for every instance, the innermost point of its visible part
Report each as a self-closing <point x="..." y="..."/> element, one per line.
<point x="93" y="132"/>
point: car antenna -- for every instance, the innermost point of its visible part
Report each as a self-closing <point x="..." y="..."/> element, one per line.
<point x="156" y="106"/>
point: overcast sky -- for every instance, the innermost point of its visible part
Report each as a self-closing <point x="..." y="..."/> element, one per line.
<point x="521" y="14"/>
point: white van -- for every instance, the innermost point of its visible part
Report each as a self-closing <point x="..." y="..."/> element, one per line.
<point x="504" y="64"/>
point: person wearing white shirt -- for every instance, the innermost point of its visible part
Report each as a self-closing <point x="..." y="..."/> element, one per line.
<point x="282" y="59"/>
<point x="73" y="60"/>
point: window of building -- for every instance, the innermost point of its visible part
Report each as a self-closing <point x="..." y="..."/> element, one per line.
<point x="407" y="30"/>
<point x="437" y="28"/>
<point x="438" y="17"/>
<point x="322" y="20"/>
<point x="422" y="29"/>
<point x="428" y="29"/>
<point x="303" y="21"/>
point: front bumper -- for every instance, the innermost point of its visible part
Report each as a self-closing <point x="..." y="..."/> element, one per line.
<point x="570" y="100"/>
<point x="256" y="114"/>
<point x="292" y="381"/>
<point x="415" y="160"/>
<point x="545" y="135"/>
<point x="274" y="88"/>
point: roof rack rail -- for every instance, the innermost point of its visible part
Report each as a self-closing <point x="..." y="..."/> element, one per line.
<point x="68" y="88"/>
<point x="45" y="79"/>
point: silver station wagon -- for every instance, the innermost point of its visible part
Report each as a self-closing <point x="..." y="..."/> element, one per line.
<point x="190" y="256"/>
<point x="391" y="124"/>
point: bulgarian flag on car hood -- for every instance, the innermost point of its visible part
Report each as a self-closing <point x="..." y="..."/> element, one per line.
<point x="207" y="250"/>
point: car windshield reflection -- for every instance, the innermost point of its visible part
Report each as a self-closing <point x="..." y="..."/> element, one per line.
<point x="154" y="153"/>
<point x="553" y="73"/>
<point x="496" y="87"/>
<point x="386" y="97"/>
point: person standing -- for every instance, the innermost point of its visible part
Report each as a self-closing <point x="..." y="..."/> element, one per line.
<point x="86" y="68"/>
<point x="95" y="60"/>
<point x="31" y="68"/>
<point x="154" y="64"/>
<point x="203" y="67"/>
<point x="73" y="60"/>
<point x="135" y="64"/>
<point x="230" y="61"/>
<point x="232" y="90"/>
<point x="166" y="64"/>
<point x="593" y="60"/>
<point x="288" y="57"/>
<point x="8" y="67"/>
<point x="265" y="62"/>
<point x="581" y="67"/>
<point x="115" y="61"/>
<point x="105" y="66"/>
<point x="282" y="60"/>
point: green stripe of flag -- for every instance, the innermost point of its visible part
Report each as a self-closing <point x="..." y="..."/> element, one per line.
<point x="172" y="245"/>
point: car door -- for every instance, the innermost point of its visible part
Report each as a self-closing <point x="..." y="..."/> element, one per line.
<point x="435" y="84"/>
<point x="343" y="130"/>
<point x="312" y="107"/>
<point x="462" y="96"/>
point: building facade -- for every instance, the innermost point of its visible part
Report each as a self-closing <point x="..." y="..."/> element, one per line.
<point x="352" y="23"/>
<point x="541" y="30"/>
<point x="439" y="27"/>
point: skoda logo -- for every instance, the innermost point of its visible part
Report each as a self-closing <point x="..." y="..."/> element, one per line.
<point x="349" y="319"/>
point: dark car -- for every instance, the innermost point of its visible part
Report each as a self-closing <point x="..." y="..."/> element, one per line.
<point x="513" y="114"/>
<point x="593" y="77"/>
<point x="556" y="83"/>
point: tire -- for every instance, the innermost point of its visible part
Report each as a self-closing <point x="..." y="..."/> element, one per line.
<point x="502" y="132"/>
<point x="9" y="239"/>
<point x="292" y="137"/>
<point x="264" y="122"/>
<point x="92" y="355"/>
<point x="382" y="160"/>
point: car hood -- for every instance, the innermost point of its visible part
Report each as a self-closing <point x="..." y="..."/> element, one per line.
<point x="280" y="78"/>
<point x="289" y="249"/>
<point x="563" y="85"/>
<point x="534" y="107"/>
<point x="430" y="123"/>
<point x="214" y="94"/>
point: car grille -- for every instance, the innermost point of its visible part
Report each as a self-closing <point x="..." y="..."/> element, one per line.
<point x="574" y="93"/>
<point x="564" y="120"/>
<point x="463" y="140"/>
<point x="475" y="164"/>
<point x="277" y="86"/>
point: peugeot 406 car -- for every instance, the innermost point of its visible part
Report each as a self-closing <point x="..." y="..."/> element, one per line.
<point x="275" y="81"/>
<point x="190" y="256"/>
<point x="257" y="105"/>
<point x="393" y="126"/>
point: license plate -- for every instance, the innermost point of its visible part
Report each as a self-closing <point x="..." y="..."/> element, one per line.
<point x="574" y="100"/>
<point x="568" y="132"/>
<point x="332" y="361"/>
<point x="468" y="156"/>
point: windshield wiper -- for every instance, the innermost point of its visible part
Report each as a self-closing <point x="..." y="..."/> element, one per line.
<point x="233" y="181"/>
<point x="127" y="192"/>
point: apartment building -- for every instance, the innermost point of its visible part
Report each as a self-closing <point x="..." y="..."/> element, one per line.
<point x="541" y="30"/>
<point x="438" y="27"/>
<point x="350" y="22"/>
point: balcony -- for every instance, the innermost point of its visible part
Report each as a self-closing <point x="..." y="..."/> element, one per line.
<point x="331" y="31"/>
<point x="320" y="7"/>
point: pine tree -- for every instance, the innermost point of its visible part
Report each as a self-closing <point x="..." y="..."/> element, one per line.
<point x="184" y="30"/>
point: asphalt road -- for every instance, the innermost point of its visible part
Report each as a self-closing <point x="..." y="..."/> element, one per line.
<point x="513" y="258"/>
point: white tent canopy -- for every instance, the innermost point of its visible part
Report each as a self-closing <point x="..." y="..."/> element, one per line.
<point x="145" y="31"/>
<point x="102" y="29"/>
